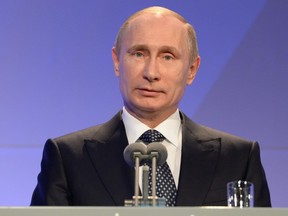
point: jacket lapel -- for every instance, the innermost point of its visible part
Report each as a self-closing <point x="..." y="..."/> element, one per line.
<point x="106" y="153"/>
<point x="198" y="163"/>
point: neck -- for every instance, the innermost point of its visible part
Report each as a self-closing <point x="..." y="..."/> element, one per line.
<point x="151" y="119"/>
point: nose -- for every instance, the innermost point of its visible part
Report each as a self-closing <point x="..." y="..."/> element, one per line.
<point x="151" y="72"/>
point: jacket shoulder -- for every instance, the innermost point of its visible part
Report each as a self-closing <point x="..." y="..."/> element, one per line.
<point x="98" y="132"/>
<point x="202" y="132"/>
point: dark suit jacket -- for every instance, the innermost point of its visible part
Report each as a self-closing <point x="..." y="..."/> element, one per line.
<point x="87" y="167"/>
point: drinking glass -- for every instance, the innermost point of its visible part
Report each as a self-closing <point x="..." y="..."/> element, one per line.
<point x="240" y="194"/>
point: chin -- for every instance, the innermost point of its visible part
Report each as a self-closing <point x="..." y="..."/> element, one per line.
<point x="144" y="105"/>
<point x="146" y="108"/>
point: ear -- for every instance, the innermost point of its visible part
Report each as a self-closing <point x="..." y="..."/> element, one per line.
<point x="193" y="70"/>
<point x="116" y="61"/>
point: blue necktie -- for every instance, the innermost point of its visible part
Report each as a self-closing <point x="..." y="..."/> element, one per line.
<point x="165" y="185"/>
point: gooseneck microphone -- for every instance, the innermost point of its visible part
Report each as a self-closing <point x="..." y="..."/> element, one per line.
<point x="133" y="154"/>
<point x="158" y="156"/>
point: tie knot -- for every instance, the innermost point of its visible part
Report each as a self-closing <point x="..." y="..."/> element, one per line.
<point x="151" y="136"/>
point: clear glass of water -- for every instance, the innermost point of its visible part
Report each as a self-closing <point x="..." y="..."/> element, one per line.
<point x="240" y="194"/>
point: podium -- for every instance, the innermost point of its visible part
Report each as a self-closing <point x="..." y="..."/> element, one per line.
<point x="139" y="211"/>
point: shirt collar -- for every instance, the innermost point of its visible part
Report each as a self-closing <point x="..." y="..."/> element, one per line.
<point x="170" y="128"/>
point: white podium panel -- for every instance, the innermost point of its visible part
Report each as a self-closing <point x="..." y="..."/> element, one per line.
<point x="133" y="211"/>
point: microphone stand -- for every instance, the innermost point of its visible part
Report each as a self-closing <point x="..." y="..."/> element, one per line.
<point x="145" y="183"/>
<point x="136" y="189"/>
<point x="145" y="177"/>
<point x="154" y="156"/>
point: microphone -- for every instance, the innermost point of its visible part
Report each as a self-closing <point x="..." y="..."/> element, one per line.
<point x="158" y="156"/>
<point x="134" y="150"/>
<point x="158" y="150"/>
<point x="133" y="154"/>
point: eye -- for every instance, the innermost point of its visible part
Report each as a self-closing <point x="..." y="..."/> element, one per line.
<point x="168" y="57"/>
<point x="138" y="54"/>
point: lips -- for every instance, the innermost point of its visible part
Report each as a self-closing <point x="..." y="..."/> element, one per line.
<point x="149" y="92"/>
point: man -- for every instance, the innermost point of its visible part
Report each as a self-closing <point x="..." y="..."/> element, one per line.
<point x="155" y="57"/>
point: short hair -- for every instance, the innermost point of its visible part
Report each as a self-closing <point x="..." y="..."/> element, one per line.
<point x="191" y="34"/>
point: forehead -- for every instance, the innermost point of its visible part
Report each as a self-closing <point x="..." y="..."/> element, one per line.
<point x="154" y="28"/>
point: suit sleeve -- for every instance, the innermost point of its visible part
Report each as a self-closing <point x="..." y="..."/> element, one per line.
<point x="51" y="188"/>
<point x="256" y="174"/>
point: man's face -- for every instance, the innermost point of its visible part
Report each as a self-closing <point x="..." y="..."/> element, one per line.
<point x="153" y="65"/>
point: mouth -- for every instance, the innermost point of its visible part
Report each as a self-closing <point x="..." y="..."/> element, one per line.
<point x="148" y="92"/>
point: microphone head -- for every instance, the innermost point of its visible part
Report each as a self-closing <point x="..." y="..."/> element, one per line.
<point x="129" y="151"/>
<point x="160" y="149"/>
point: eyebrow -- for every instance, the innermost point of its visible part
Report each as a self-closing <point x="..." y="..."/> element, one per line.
<point x="138" y="47"/>
<point x="169" y="49"/>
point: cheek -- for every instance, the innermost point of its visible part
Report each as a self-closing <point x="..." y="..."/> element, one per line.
<point x="130" y="72"/>
<point x="125" y="68"/>
<point x="177" y="85"/>
<point x="179" y="80"/>
<point x="126" y="79"/>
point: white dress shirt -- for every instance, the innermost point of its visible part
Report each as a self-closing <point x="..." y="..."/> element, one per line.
<point x="171" y="129"/>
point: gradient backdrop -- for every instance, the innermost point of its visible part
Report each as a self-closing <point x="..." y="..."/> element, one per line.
<point x="56" y="76"/>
